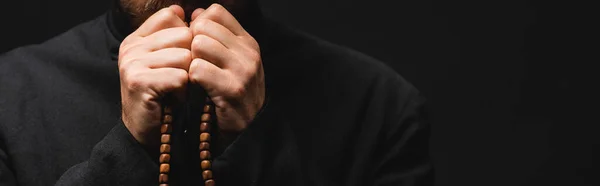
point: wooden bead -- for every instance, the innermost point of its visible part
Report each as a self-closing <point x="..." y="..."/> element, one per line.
<point x="205" y="164"/>
<point x="165" y="168"/>
<point x="204" y="155"/>
<point x="167" y="110"/>
<point x="168" y="119"/>
<point x="205" y="117"/>
<point x="207" y="108"/>
<point x="165" y="129"/>
<point x="204" y="127"/>
<point x="163" y="178"/>
<point x="165" y="148"/>
<point x="165" y="158"/>
<point x="207" y="175"/>
<point x="165" y="138"/>
<point x="209" y="182"/>
<point x="204" y="146"/>
<point x="204" y="137"/>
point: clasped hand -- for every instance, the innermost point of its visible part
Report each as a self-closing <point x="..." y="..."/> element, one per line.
<point x="164" y="54"/>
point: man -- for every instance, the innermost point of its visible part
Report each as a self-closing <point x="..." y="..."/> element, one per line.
<point x="84" y="108"/>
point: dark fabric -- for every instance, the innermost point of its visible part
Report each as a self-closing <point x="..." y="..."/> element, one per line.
<point x="333" y="117"/>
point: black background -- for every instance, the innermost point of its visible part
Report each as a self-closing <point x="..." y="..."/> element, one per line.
<point x="510" y="82"/>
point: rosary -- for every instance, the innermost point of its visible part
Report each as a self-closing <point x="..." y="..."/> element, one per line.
<point x="165" y="140"/>
<point x="204" y="147"/>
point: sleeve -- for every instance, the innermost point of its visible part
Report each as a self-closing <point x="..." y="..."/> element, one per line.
<point x="118" y="159"/>
<point x="403" y="142"/>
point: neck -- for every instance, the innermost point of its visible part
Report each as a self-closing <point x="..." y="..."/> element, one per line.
<point x="122" y="21"/>
<point x="138" y="11"/>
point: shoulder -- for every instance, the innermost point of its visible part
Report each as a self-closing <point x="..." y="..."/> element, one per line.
<point x="310" y="58"/>
<point x="82" y="38"/>
<point x="82" y="41"/>
<point x="28" y="72"/>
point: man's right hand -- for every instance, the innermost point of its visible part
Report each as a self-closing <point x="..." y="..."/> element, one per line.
<point x="153" y="61"/>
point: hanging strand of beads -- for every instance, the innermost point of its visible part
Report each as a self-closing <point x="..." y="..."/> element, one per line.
<point x="204" y="147"/>
<point x="165" y="147"/>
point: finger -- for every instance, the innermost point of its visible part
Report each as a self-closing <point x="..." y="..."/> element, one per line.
<point x="196" y="13"/>
<point x="172" y="16"/>
<point x="161" y="81"/>
<point x="179" y="37"/>
<point x="214" y="30"/>
<point x="219" y="14"/>
<point x="208" y="75"/>
<point x="169" y="80"/>
<point x="211" y="50"/>
<point x="168" y="58"/>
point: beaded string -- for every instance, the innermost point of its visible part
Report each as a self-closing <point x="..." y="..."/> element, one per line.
<point x="204" y="147"/>
<point x="165" y="145"/>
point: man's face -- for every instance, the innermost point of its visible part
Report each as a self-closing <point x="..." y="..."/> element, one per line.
<point x="142" y="9"/>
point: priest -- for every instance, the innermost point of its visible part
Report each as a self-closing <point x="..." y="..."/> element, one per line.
<point x="86" y="107"/>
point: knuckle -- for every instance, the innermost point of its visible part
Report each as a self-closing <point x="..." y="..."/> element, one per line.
<point x="254" y="56"/>
<point x="182" y="78"/>
<point x="254" y="69"/>
<point x="200" y="25"/>
<point x="126" y="51"/>
<point x="237" y="90"/>
<point x="186" y="55"/>
<point x="133" y="81"/>
<point x="217" y="9"/>
<point x="184" y="33"/>
<point x="200" y="41"/>
<point x="166" y="15"/>
<point x="125" y="42"/>
<point x="250" y="41"/>
<point x="250" y="72"/>
<point x="147" y="98"/>
<point x="125" y="64"/>
<point x="193" y="71"/>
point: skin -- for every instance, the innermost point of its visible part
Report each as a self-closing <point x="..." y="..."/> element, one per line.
<point x="163" y="54"/>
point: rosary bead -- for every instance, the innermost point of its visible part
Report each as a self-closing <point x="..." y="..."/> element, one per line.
<point x="204" y="155"/>
<point x="165" y="158"/>
<point x="168" y="119"/>
<point x="165" y="148"/>
<point x="165" y="138"/>
<point x="165" y="168"/>
<point x="165" y="128"/>
<point x="209" y="182"/>
<point x="207" y="108"/>
<point x="204" y="146"/>
<point x="205" y="164"/>
<point x="207" y="175"/>
<point x="163" y="178"/>
<point x="204" y="127"/>
<point x="205" y="117"/>
<point x="204" y="137"/>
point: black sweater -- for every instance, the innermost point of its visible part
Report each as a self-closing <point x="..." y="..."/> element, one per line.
<point x="333" y="117"/>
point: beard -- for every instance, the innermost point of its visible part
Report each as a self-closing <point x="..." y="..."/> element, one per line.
<point x="140" y="10"/>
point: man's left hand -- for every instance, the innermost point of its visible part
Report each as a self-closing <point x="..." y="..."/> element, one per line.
<point x="227" y="64"/>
